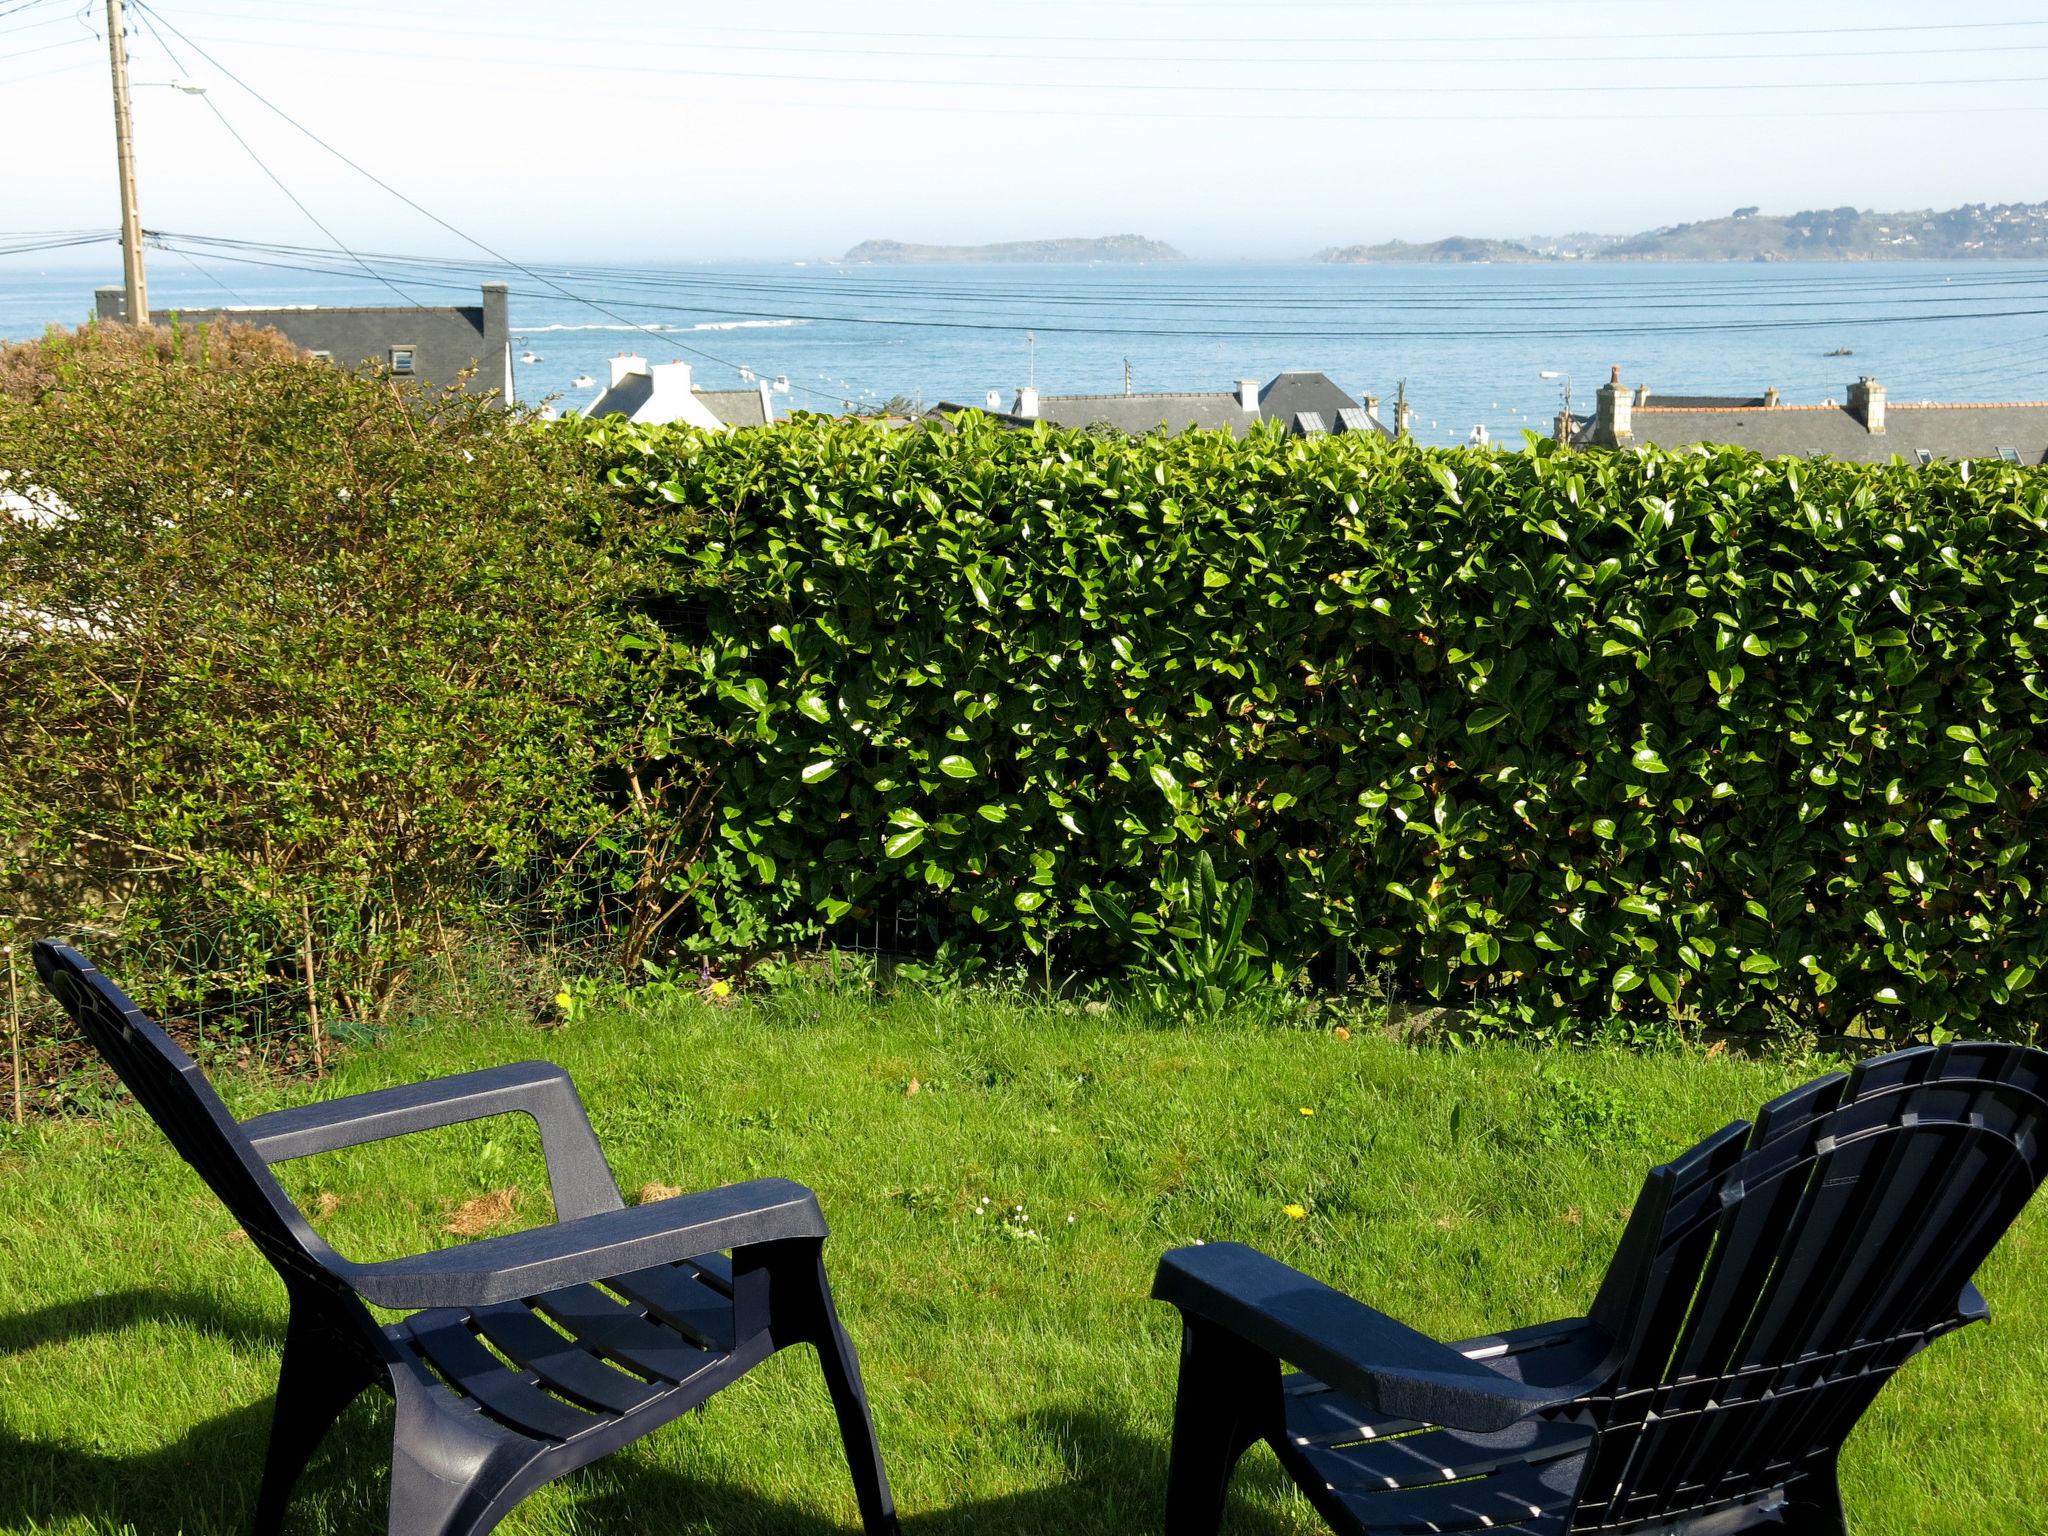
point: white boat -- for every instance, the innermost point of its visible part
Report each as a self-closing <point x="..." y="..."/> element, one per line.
<point x="583" y="381"/>
<point x="529" y="357"/>
<point x="781" y="384"/>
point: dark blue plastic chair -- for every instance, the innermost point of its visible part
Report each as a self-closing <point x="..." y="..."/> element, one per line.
<point x="1767" y="1286"/>
<point x="526" y="1356"/>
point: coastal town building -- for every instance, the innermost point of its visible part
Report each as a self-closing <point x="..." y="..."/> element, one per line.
<point x="655" y="394"/>
<point x="1867" y="426"/>
<point x="436" y="345"/>
<point x="1308" y="404"/>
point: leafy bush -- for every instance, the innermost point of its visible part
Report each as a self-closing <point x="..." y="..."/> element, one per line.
<point x="1574" y="735"/>
<point x="288" y="657"/>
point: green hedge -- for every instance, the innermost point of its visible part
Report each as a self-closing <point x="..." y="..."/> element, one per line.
<point x="291" y="660"/>
<point x="1572" y="736"/>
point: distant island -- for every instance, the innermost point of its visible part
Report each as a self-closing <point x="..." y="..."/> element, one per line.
<point x="1103" y="248"/>
<point x="1456" y="248"/>
<point x="1975" y="231"/>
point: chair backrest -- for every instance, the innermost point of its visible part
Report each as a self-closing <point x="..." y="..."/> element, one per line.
<point x="170" y="1086"/>
<point x="1773" y="1278"/>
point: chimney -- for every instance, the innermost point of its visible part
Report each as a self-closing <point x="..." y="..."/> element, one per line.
<point x="995" y="402"/>
<point x="1614" y="426"/>
<point x="1770" y="397"/>
<point x="1866" y="404"/>
<point x="1642" y="396"/>
<point x="767" y="402"/>
<point x="1027" y="403"/>
<point x="625" y="365"/>
<point x="1404" y="416"/>
<point x="1248" y="394"/>
<point x="1372" y="406"/>
<point x="1565" y="428"/>
<point x="671" y="381"/>
<point x="110" y="303"/>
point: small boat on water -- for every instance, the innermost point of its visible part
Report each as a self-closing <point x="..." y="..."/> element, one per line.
<point x="530" y="357"/>
<point x="583" y="381"/>
<point x="1839" y="352"/>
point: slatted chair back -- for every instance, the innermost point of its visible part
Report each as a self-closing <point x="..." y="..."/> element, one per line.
<point x="170" y="1087"/>
<point x="1773" y="1278"/>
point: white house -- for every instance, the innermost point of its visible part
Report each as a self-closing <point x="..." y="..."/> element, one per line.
<point x="659" y="393"/>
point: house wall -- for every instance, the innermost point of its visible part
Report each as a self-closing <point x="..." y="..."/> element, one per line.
<point x="445" y="341"/>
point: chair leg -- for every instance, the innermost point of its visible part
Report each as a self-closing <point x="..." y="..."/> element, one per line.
<point x="1815" y="1506"/>
<point x="445" y="1480"/>
<point x="317" y="1381"/>
<point x="1228" y="1400"/>
<point x="841" y="1365"/>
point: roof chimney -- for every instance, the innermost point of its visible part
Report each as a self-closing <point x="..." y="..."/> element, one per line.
<point x="671" y="381"/>
<point x="1372" y="406"/>
<point x="1866" y="404"/>
<point x="625" y="365"/>
<point x="1248" y="394"/>
<point x="767" y="401"/>
<point x="1770" y="397"/>
<point x="1614" y="425"/>
<point x="1027" y="403"/>
<point x="1642" y="396"/>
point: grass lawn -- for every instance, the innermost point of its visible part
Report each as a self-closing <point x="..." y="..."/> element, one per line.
<point x="1020" y="1379"/>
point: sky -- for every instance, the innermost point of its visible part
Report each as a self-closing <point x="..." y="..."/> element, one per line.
<point x="1261" y="129"/>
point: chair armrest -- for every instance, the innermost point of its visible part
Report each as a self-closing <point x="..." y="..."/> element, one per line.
<point x="578" y="1176"/>
<point x="1386" y="1365"/>
<point x="600" y="1247"/>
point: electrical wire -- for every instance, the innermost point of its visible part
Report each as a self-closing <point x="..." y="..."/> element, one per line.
<point x="426" y="213"/>
<point x="1546" y="332"/>
<point x="247" y="148"/>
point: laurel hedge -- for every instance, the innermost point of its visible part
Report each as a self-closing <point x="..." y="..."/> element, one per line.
<point x="1567" y="736"/>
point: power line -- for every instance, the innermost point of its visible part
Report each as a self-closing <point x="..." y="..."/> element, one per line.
<point x="1184" y="88"/>
<point x="1236" y="59"/>
<point x="436" y="218"/>
<point x="296" y="201"/>
<point x="1239" y="41"/>
<point x="1378" y="333"/>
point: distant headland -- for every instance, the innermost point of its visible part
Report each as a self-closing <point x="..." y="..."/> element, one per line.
<point x="1102" y="248"/>
<point x="1975" y="231"/>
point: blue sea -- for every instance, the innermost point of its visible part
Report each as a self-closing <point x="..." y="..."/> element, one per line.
<point x="1469" y="343"/>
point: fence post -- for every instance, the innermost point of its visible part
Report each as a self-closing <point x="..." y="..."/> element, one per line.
<point x="14" y="1035"/>
<point x="312" y="992"/>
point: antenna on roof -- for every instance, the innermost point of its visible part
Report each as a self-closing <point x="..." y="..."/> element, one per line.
<point x="1031" y="368"/>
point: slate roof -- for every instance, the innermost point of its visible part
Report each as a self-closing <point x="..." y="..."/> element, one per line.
<point x="1702" y="402"/>
<point x="1289" y="396"/>
<point x="735" y="407"/>
<point x="1801" y="431"/>
<point x="1209" y="410"/>
<point x="622" y="398"/>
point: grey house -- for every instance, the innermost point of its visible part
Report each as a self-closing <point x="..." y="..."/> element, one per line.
<point x="431" y="344"/>
<point x="1868" y="427"/>
<point x="1309" y="404"/>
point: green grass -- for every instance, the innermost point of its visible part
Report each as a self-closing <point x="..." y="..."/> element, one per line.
<point x="1021" y="1383"/>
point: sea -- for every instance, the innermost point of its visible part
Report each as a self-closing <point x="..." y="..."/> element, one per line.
<point x="1474" y="348"/>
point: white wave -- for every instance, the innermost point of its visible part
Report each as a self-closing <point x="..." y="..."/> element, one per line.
<point x="707" y="325"/>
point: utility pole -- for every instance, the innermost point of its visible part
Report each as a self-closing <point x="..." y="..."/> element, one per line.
<point x="124" y="150"/>
<point x="1127" y="376"/>
<point x="1031" y="372"/>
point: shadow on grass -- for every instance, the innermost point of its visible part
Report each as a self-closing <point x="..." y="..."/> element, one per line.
<point x="206" y="1481"/>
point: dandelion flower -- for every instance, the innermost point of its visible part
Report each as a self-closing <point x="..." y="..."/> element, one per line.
<point x="721" y="989"/>
<point x="1294" y="1212"/>
<point x="563" y="1001"/>
<point x="1306" y="1110"/>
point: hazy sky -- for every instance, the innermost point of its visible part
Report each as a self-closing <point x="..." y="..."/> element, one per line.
<point x="713" y="130"/>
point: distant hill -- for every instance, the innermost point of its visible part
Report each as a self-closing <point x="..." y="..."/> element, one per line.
<point x="1975" y="230"/>
<point x="1457" y="248"/>
<point x="1849" y="234"/>
<point x="1104" y="248"/>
